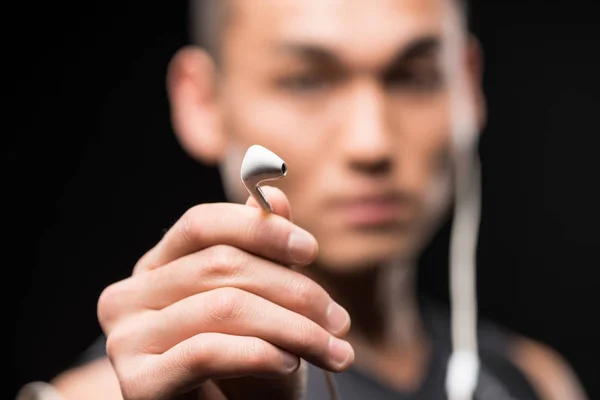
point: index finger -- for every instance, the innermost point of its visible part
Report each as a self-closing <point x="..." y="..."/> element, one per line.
<point x="266" y="235"/>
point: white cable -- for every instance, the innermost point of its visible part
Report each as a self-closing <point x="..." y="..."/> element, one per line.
<point x="463" y="366"/>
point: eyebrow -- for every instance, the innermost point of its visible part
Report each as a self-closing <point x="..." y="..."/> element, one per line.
<point x="421" y="46"/>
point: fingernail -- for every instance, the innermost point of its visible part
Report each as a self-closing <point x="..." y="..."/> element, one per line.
<point x="301" y="246"/>
<point x="290" y="362"/>
<point x="340" y="351"/>
<point x="337" y="318"/>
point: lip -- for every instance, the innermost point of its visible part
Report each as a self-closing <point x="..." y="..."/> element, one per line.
<point x="375" y="210"/>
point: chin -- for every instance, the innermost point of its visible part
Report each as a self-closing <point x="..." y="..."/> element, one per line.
<point x="362" y="253"/>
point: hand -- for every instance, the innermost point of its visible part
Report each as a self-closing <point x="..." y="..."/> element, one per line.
<point x="214" y="306"/>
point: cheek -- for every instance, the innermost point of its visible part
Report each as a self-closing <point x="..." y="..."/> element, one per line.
<point x="297" y="133"/>
<point x="424" y="141"/>
<point x="284" y="127"/>
<point x="286" y="123"/>
<point x="286" y="132"/>
<point x="255" y="120"/>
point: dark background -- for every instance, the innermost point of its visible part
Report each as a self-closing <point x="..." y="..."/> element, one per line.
<point x="93" y="174"/>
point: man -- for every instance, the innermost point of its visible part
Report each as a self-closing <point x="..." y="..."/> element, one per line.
<point x="351" y="95"/>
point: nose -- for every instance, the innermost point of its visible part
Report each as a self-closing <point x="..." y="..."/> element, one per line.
<point x="366" y="140"/>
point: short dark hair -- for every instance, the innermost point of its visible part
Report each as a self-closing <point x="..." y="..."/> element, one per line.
<point x="207" y="20"/>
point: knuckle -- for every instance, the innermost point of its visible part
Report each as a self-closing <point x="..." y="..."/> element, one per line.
<point x="110" y="302"/>
<point x="195" y="355"/>
<point x="190" y="228"/>
<point x="257" y="354"/>
<point x="145" y="262"/>
<point x="261" y="230"/>
<point x="116" y="342"/>
<point x="224" y="261"/>
<point x="191" y="353"/>
<point x="227" y="304"/>
<point x="306" y="335"/>
<point x="305" y="294"/>
<point x="124" y="339"/>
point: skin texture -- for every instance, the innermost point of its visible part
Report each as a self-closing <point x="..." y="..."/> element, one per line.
<point x="350" y="94"/>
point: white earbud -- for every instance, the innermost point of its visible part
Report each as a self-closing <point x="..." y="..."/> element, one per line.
<point x="259" y="165"/>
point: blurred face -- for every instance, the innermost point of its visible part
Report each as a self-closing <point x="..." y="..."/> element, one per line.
<point x="350" y="94"/>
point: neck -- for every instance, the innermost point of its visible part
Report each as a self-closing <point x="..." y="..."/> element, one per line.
<point x="387" y="332"/>
<point x="382" y="302"/>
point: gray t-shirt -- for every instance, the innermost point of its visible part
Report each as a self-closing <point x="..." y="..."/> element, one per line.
<point x="499" y="378"/>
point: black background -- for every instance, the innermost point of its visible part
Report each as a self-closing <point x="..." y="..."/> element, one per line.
<point x="93" y="174"/>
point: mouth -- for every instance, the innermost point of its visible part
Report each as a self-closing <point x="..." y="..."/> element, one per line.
<point x="389" y="210"/>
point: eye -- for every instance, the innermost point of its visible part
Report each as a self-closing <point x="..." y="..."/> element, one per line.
<point x="420" y="74"/>
<point x="423" y="79"/>
<point x="307" y="82"/>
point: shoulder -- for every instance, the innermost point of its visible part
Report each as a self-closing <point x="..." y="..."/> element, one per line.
<point x="518" y="362"/>
<point x="546" y="371"/>
<point x="549" y="373"/>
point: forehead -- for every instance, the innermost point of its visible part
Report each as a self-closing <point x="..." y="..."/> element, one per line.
<point x="349" y="26"/>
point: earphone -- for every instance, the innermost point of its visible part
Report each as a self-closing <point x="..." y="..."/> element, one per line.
<point x="260" y="165"/>
<point x="463" y="367"/>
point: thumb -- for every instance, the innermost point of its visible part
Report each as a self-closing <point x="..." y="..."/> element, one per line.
<point x="278" y="199"/>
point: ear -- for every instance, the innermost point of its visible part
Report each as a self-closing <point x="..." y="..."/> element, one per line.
<point x="475" y="66"/>
<point x="193" y="101"/>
